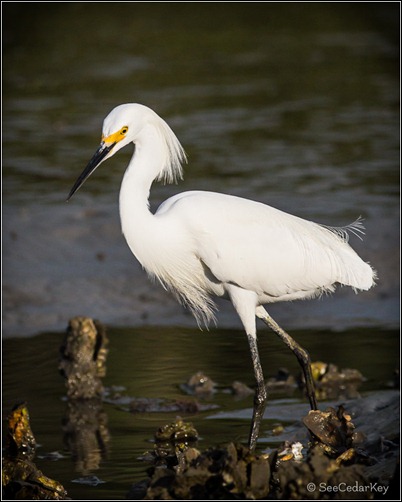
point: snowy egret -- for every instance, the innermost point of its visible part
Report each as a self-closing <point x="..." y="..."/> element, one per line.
<point x="201" y="245"/>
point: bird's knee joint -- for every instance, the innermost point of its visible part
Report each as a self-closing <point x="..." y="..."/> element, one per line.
<point x="303" y="356"/>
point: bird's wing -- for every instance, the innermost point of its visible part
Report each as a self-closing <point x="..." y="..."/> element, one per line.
<point x="265" y="250"/>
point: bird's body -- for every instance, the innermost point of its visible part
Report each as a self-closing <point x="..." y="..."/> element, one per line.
<point x="204" y="244"/>
<point x="211" y="242"/>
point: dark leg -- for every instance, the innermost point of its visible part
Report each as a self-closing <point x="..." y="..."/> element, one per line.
<point x="260" y="394"/>
<point x="301" y="354"/>
<point x="245" y="303"/>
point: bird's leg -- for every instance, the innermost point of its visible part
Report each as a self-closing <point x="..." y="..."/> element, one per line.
<point x="301" y="354"/>
<point x="245" y="303"/>
<point x="260" y="397"/>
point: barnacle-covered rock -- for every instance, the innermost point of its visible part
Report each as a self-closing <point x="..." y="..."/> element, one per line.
<point x="224" y="473"/>
<point x="332" y="430"/>
<point x="21" y="479"/>
<point x="83" y="358"/>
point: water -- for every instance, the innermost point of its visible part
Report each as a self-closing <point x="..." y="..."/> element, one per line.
<point x="152" y="363"/>
<point x="292" y="104"/>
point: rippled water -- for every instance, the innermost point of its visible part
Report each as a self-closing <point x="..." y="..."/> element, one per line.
<point x="292" y="104"/>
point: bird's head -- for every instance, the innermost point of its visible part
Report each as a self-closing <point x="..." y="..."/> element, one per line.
<point x="124" y="125"/>
<point x="121" y="127"/>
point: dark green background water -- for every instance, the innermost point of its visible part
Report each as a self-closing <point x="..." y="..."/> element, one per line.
<point x="292" y="104"/>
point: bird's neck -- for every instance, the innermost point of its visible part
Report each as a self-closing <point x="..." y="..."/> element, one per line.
<point x="144" y="167"/>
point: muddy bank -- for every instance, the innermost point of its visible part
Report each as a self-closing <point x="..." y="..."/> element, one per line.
<point x="73" y="260"/>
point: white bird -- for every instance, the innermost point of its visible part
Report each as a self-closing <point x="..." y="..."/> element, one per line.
<point x="201" y="245"/>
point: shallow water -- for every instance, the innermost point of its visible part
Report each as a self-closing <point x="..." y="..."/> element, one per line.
<point x="152" y="363"/>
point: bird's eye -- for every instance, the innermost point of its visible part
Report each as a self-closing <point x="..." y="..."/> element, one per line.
<point x="124" y="130"/>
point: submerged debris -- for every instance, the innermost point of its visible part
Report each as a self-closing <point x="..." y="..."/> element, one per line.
<point x="154" y="405"/>
<point x="332" y="383"/>
<point x="240" y="389"/>
<point x="282" y="381"/>
<point x="83" y="358"/>
<point x="199" y="384"/>
<point x="149" y="405"/>
<point x="88" y="480"/>
<point x="21" y="479"/>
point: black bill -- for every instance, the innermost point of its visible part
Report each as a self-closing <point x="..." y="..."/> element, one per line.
<point x="97" y="158"/>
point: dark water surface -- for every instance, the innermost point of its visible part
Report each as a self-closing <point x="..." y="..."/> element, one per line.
<point x="153" y="363"/>
<point x="293" y="104"/>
